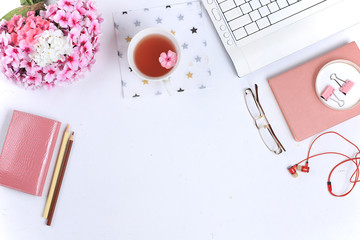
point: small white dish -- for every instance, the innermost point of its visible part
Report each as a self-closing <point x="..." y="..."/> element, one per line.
<point x="344" y="70"/>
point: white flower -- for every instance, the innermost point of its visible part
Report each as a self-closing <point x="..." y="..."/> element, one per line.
<point x="51" y="47"/>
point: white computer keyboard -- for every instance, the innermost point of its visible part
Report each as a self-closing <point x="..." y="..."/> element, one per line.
<point x="246" y="17"/>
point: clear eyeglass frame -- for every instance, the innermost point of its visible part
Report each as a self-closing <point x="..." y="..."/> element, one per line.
<point x="262" y="124"/>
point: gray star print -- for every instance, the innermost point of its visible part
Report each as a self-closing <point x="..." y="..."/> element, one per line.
<point x="205" y="43"/>
<point x="198" y="59"/>
<point x="123" y="83"/>
<point x="116" y="26"/>
<point x="137" y="23"/>
<point x="158" y="20"/>
<point x="181" y="17"/>
<point x="185" y="46"/>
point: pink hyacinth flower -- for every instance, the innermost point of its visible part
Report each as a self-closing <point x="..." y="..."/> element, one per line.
<point x="50" y="12"/>
<point x="74" y="35"/>
<point x="67" y="5"/>
<point x="74" y="20"/>
<point x="62" y="18"/>
<point x="25" y="47"/>
<point x="15" y="23"/>
<point x="168" y="60"/>
<point x="94" y="27"/>
<point x="73" y="61"/>
<point x="50" y="73"/>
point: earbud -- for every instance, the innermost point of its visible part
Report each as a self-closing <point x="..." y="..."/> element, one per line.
<point x="305" y="168"/>
<point x="292" y="171"/>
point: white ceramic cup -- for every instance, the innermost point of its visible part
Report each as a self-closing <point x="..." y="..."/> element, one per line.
<point x="131" y="50"/>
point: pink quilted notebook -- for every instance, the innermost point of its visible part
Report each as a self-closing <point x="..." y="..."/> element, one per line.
<point x="27" y="152"/>
<point x="295" y="93"/>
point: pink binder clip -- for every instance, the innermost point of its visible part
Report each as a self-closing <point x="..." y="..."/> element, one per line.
<point x="330" y="91"/>
<point x="345" y="87"/>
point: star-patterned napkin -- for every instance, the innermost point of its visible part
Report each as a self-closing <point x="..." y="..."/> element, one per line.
<point x="185" y="22"/>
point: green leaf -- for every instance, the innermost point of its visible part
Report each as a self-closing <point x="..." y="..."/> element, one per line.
<point x="26" y="2"/>
<point x="18" y="11"/>
<point x="37" y="1"/>
<point x="24" y="10"/>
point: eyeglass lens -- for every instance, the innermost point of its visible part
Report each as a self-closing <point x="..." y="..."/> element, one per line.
<point x="251" y="104"/>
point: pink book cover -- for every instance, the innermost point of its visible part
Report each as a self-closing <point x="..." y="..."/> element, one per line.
<point x="295" y="93"/>
<point x="27" y="152"/>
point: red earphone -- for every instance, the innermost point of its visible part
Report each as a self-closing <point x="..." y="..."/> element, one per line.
<point x="305" y="168"/>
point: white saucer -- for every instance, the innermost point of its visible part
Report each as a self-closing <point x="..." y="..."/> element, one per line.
<point x="344" y="70"/>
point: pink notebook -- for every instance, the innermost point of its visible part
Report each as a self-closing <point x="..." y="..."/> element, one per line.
<point x="27" y="152"/>
<point x="295" y="93"/>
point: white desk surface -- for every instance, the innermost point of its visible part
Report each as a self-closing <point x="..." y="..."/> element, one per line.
<point x="181" y="167"/>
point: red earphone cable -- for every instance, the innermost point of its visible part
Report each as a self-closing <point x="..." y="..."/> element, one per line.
<point x="356" y="160"/>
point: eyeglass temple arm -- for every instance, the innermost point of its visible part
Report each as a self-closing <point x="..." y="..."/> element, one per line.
<point x="276" y="139"/>
<point x="271" y="130"/>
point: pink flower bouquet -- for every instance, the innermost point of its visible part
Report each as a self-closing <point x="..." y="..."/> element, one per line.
<point x="52" y="47"/>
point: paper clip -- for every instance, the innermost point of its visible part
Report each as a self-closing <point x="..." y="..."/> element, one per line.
<point x="328" y="92"/>
<point x="345" y="87"/>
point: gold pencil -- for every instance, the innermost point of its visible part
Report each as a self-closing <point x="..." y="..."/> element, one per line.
<point x="57" y="170"/>
<point x="61" y="177"/>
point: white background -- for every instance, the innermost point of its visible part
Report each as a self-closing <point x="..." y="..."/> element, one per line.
<point x="182" y="167"/>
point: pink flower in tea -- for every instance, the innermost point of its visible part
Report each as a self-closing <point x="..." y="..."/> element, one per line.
<point x="168" y="60"/>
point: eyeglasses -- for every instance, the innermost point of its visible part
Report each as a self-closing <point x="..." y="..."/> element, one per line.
<point x="262" y="124"/>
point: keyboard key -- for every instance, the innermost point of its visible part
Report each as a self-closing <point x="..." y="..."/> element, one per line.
<point x="239" y="2"/>
<point x="292" y="1"/>
<point x="264" y="11"/>
<point x="282" y="3"/>
<point x="264" y="2"/>
<point x="246" y="8"/>
<point x="263" y="23"/>
<point x="225" y="6"/>
<point x="233" y="13"/>
<point x="240" y="33"/>
<point x="255" y="4"/>
<point x="254" y="15"/>
<point x="240" y="22"/>
<point x="273" y="7"/>
<point x="251" y="28"/>
<point x="291" y="10"/>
